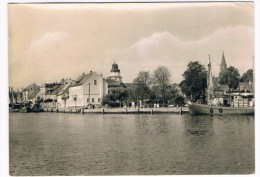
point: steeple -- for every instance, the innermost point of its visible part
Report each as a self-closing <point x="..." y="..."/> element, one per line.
<point x="223" y="66"/>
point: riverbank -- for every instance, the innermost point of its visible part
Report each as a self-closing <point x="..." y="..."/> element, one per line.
<point x="175" y="110"/>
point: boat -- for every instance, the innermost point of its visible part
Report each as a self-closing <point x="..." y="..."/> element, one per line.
<point x="236" y="108"/>
<point x="26" y="108"/>
<point x="203" y="109"/>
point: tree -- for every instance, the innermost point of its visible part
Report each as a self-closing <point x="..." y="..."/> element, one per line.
<point x="230" y="77"/>
<point x="143" y="77"/>
<point x="141" y="86"/>
<point x="195" y="81"/>
<point x="115" y="97"/>
<point x="171" y="93"/>
<point x="248" y="75"/>
<point x="161" y="80"/>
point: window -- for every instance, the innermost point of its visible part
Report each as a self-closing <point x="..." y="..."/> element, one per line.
<point x="93" y="100"/>
<point x="88" y="100"/>
<point x="95" y="82"/>
<point x="99" y="100"/>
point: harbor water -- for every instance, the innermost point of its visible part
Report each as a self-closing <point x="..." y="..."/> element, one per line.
<point x="130" y="144"/>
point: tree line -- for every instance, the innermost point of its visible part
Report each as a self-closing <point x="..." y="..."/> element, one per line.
<point x="156" y="87"/>
<point x="194" y="83"/>
<point x="147" y="87"/>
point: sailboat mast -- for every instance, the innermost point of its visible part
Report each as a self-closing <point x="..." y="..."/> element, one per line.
<point x="209" y="83"/>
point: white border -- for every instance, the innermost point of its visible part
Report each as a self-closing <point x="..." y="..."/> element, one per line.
<point x="4" y="124"/>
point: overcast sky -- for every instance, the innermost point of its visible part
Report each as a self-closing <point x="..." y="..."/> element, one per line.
<point x="55" y="41"/>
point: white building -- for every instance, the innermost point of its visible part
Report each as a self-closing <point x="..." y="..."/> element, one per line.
<point x="87" y="89"/>
<point x="63" y="94"/>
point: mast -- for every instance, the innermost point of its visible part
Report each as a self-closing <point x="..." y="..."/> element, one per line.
<point x="209" y="84"/>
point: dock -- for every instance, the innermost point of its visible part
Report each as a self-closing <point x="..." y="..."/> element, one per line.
<point x="174" y="110"/>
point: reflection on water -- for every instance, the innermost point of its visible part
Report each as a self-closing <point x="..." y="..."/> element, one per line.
<point x="70" y="144"/>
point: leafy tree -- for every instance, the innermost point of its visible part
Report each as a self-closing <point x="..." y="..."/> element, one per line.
<point x="230" y="77"/>
<point x="143" y="77"/>
<point x="247" y="76"/>
<point x="116" y="95"/>
<point x="195" y="81"/>
<point x="140" y="89"/>
<point x="171" y="93"/>
<point x="161" y="80"/>
<point x="141" y="86"/>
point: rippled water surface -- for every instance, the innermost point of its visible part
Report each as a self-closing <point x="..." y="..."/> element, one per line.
<point x="165" y="144"/>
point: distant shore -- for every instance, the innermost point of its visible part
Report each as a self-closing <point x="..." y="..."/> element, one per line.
<point x="176" y="110"/>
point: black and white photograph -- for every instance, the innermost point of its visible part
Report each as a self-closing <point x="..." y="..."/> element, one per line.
<point x="131" y="88"/>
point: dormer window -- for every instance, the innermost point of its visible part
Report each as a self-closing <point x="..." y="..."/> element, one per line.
<point x="95" y="82"/>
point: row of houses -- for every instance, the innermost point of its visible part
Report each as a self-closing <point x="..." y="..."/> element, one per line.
<point x="88" y="88"/>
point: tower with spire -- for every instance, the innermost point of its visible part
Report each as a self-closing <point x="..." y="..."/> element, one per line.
<point x="223" y="65"/>
<point x="115" y="73"/>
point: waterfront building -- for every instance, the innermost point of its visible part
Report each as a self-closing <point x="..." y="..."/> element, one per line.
<point x="63" y="93"/>
<point x="48" y="94"/>
<point x="87" y="89"/>
<point x="220" y="97"/>
<point x="30" y="93"/>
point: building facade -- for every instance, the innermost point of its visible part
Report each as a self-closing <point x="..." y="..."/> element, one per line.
<point x="63" y="94"/>
<point x="87" y="89"/>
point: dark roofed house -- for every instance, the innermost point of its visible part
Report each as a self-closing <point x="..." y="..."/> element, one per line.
<point x="48" y="93"/>
<point x="30" y="92"/>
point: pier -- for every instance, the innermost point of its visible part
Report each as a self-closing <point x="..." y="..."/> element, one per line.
<point x="175" y="110"/>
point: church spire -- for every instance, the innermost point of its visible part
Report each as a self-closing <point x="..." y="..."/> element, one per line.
<point x="223" y="65"/>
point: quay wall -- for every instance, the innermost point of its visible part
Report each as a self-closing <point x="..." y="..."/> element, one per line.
<point x="179" y="110"/>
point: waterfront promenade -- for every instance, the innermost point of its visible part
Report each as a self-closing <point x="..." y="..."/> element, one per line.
<point x="176" y="110"/>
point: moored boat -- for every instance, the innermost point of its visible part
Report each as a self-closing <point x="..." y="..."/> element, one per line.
<point x="196" y="108"/>
<point x="240" y="104"/>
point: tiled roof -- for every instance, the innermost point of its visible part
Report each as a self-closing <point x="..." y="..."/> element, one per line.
<point x="52" y="89"/>
<point x="81" y="79"/>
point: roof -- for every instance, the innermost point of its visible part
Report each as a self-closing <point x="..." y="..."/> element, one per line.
<point x="51" y="89"/>
<point x="63" y="88"/>
<point x="32" y="94"/>
<point x="82" y="79"/>
<point x="30" y="87"/>
<point x="113" y="83"/>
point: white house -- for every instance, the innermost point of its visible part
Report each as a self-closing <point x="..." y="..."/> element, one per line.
<point x="87" y="89"/>
<point x="63" y="93"/>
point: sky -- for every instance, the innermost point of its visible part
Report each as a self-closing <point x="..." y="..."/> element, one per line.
<point x="48" y="42"/>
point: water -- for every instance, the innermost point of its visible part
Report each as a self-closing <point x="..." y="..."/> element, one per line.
<point x="165" y="144"/>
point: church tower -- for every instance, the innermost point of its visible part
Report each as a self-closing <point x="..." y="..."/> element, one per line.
<point x="223" y="66"/>
<point x="115" y="73"/>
